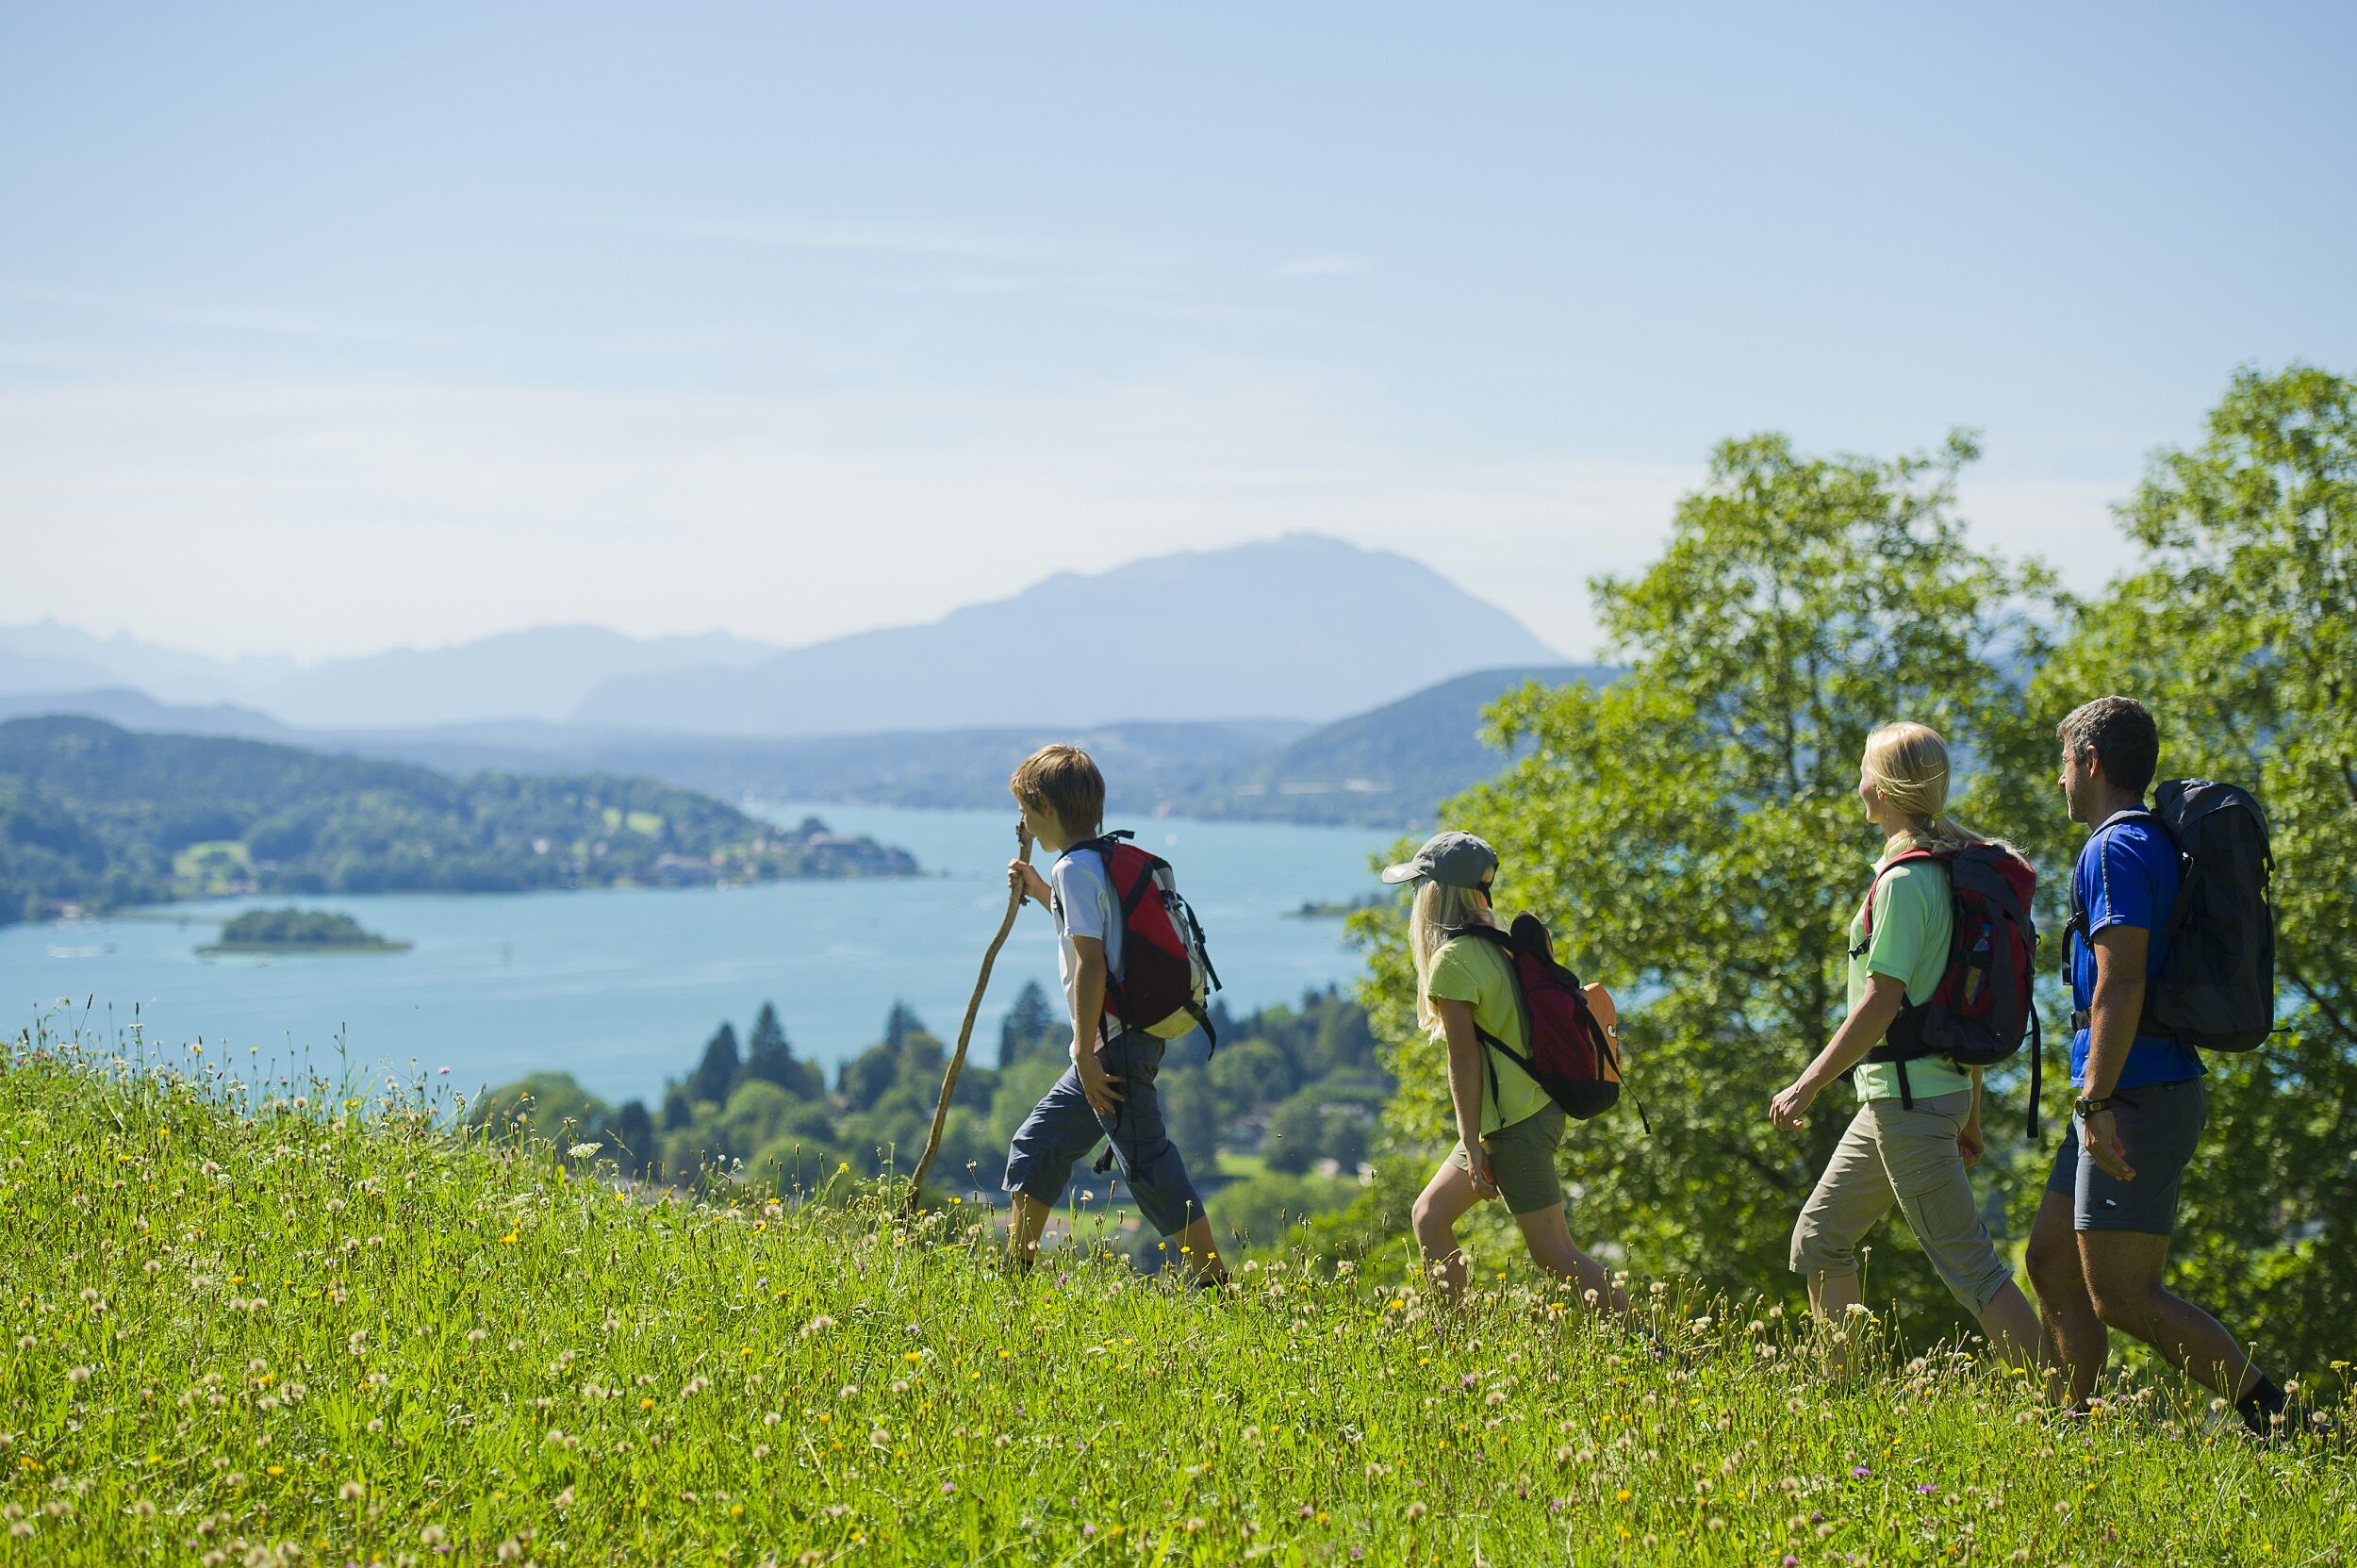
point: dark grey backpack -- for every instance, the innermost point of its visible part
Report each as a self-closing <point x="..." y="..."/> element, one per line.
<point x="2217" y="984"/>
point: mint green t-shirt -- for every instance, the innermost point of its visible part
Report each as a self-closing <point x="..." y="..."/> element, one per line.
<point x="1913" y="924"/>
<point x="1468" y="969"/>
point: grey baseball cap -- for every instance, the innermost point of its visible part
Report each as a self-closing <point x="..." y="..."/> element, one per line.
<point x="1451" y="859"/>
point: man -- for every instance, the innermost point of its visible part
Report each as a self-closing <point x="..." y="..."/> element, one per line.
<point x="2099" y="1247"/>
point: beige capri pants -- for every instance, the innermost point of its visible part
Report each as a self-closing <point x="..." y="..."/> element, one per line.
<point x="1891" y="1154"/>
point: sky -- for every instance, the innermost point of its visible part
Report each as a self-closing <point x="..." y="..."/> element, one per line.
<point x="328" y="329"/>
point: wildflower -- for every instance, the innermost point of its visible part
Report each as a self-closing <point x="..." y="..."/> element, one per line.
<point x="1415" y="1511"/>
<point x="352" y="1492"/>
<point x="80" y="1375"/>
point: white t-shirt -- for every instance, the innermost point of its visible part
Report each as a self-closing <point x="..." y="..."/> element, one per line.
<point x="1084" y="906"/>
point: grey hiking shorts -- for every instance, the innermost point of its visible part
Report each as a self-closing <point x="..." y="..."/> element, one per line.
<point x="1893" y="1155"/>
<point x="1522" y="1159"/>
<point x="1064" y="1127"/>
<point x="2160" y="1124"/>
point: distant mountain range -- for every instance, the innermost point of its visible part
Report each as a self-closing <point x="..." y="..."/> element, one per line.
<point x="1303" y="628"/>
<point x="1388" y="767"/>
<point x="543" y="673"/>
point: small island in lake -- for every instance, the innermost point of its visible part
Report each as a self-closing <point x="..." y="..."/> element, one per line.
<point x="298" y="930"/>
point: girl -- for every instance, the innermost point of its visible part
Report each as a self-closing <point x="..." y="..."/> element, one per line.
<point x="1916" y="1158"/>
<point x="1508" y="1128"/>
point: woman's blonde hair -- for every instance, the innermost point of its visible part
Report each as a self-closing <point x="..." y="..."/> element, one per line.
<point x="1437" y="909"/>
<point x="1907" y="764"/>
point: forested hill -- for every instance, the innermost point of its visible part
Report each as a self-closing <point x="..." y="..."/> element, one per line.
<point x="97" y="816"/>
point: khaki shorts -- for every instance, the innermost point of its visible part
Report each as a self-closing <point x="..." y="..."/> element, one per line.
<point x="1522" y="1161"/>
<point x="1893" y="1155"/>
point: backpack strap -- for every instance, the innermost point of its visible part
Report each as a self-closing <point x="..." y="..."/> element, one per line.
<point x="1909" y="1011"/>
<point x="1505" y="945"/>
<point x="2076" y="926"/>
<point x="1102" y="846"/>
<point x="1943" y="857"/>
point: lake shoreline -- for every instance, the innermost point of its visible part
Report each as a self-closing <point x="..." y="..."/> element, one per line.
<point x="623" y="987"/>
<point x="322" y="948"/>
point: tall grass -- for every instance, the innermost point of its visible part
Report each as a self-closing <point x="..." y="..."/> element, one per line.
<point x="303" y="1323"/>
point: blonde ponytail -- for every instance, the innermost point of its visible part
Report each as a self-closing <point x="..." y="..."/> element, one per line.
<point x="1439" y="908"/>
<point x="1907" y="764"/>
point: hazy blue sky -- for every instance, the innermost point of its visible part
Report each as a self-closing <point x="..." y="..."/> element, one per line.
<point x="324" y="328"/>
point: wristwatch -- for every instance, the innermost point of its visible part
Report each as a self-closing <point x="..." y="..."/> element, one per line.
<point x="2088" y="1107"/>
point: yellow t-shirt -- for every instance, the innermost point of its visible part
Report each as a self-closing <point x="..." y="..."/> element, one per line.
<point x="1468" y="969"/>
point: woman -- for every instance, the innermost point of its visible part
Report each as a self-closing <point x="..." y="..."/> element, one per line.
<point x="1917" y="1158"/>
<point x="1508" y="1130"/>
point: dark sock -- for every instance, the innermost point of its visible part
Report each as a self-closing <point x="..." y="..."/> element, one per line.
<point x="2260" y="1407"/>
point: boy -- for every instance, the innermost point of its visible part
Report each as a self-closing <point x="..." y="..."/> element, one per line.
<point x="2099" y="1247"/>
<point x="1109" y="1090"/>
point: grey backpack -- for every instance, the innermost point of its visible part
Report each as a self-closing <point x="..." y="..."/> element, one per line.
<point x="2216" y="988"/>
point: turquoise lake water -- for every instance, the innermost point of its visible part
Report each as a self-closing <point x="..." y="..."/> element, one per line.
<point x="622" y="988"/>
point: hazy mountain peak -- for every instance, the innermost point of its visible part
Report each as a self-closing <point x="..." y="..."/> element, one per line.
<point x="1302" y="626"/>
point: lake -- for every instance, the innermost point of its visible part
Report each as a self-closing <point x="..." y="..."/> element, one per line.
<point x="622" y="988"/>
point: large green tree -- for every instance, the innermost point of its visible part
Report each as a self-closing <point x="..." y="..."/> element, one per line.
<point x="2236" y="623"/>
<point x="1691" y="835"/>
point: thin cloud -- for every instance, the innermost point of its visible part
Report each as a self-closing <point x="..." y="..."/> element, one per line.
<point x="261" y="321"/>
<point x="1325" y="266"/>
<point x="279" y="323"/>
<point x="885" y="237"/>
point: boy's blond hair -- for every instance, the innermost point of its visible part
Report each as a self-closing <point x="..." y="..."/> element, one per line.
<point x="1061" y="782"/>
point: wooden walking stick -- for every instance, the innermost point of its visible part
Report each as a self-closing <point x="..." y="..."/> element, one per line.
<point x="966" y="1030"/>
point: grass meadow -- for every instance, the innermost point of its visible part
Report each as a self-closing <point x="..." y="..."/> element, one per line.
<point x="304" y="1323"/>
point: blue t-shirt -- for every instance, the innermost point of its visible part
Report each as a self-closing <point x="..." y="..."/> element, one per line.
<point x="2127" y="876"/>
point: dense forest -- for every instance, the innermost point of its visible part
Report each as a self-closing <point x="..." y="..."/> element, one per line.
<point x="95" y="817"/>
<point x="1276" y="1125"/>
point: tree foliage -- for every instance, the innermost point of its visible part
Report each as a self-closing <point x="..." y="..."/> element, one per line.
<point x="97" y="816"/>
<point x="1692" y="835"/>
<point x="2237" y="626"/>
